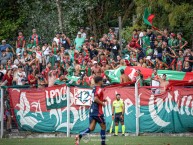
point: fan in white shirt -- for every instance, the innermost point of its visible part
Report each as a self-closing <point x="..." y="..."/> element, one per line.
<point x="58" y="39"/>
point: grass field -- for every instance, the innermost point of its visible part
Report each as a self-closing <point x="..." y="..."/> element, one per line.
<point x="142" y="140"/>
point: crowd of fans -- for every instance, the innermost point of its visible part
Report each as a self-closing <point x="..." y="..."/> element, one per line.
<point x="40" y="64"/>
<point x="43" y="64"/>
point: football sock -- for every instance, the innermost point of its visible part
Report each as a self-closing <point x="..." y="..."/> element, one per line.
<point x="84" y="132"/>
<point x="103" y="136"/>
<point x="116" y="130"/>
<point x="123" y="129"/>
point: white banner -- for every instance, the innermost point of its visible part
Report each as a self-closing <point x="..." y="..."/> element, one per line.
<point x="83" y="96"/>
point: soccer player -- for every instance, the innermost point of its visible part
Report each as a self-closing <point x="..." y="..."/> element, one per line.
<point x="118" y="108"/>
<point x="96" y="114"/>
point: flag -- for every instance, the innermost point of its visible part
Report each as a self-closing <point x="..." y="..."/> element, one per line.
<point x="114" y="75"/>
<point x="147" y="17"/>
<point x="176" y="75"/>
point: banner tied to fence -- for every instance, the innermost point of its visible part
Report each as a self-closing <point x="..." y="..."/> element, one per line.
<point x="44" y="110"/>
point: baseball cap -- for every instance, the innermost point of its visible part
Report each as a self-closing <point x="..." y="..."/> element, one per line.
<point x="95" y="62"/>
<point x="3" y="41"/>
<point x="91" y="38"/>
<point x="173" y="34"/>
<point x="14" y="66"/>
<point x="79" y="33"/>
<point x="19" y="54"/>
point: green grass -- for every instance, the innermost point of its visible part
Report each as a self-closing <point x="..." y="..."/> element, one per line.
<point x="142" y="140"/>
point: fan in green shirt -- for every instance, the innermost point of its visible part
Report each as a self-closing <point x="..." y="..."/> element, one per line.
<point x="149" y="52"/>
<point x="145" y="40"/>
<point x="182" y="43"/>
<point x="78" y="42"/>
<point x="60" y="80"/>
<point x="52" y="59"/>
<point x="173" y="42"/>
<point x="30" y="47"/>
<point x="70" y="69"/>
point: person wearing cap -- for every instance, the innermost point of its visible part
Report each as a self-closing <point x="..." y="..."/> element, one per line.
<point x="79" y="41"/>
<point x="96" y="68"/>
<point x="182" y="43"/>
<point x="118" y="111"/>
<point x="172" y="42"/>
<point x="4" y="46"/>
<point x="19" y="61"/>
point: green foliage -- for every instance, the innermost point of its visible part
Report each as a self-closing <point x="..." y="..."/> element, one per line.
<point x="97" y="15"/>
<point x="175" y="15"/>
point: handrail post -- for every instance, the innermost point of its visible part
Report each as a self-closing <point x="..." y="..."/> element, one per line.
<point x="137" y="107"/>
<point x="68" y="111"/>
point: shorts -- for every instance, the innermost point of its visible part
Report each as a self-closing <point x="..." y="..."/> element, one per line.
<point x="118" y="118"/>
<point x="98" y="119"/>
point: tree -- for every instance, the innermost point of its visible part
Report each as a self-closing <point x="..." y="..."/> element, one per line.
<point x="58" y="4"/>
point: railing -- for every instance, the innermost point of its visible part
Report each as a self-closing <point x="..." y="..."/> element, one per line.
<point x="133" y="99"/>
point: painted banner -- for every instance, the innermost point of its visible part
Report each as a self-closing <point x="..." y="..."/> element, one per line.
<point x="168" y="112"/>
<point x="82" y="96"/>
<point x="114" y="75"/>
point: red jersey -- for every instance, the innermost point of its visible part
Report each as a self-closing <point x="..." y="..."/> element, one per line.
<point x="20" y="41"/>
<point x="31" y="77"/>
<point x="96" y="109"/>
<point x="9" y="79"/>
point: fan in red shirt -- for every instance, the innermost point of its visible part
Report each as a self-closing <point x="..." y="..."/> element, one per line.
<point x="8" y="78"/>
<point x="46" y="71"/>
<point x="32" y="79"/>
<point x="134" y="44"/>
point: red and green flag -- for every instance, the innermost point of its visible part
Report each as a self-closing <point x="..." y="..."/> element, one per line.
<point x="148" y="17"/>
<point x="114" y="75"/>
